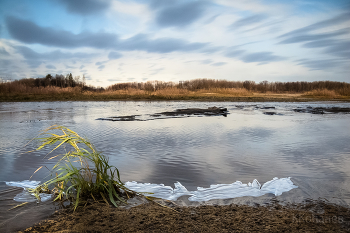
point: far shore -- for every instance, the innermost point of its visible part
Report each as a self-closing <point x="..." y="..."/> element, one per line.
<point x="195" y="96"/>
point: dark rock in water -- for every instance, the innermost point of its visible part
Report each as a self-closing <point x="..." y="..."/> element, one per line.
<point x="197" y="111"/>
<point x="317" y="111"/>
<point x="120" y="118"/>
<point x="321" y="110"/>
<point x="270" y="113"/>
<point x="212" y="111"/>
<point x="338" y="110"/>
<point x="155" y="115"/>
<point x="268" y="107"/>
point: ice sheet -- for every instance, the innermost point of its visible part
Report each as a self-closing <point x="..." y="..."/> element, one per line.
<point x="159" y="190"/>
<point x="275" y="186"/>
<point x="24" y="184"/>
<point x="217" y="191"/>
<point x="25" y="196"/>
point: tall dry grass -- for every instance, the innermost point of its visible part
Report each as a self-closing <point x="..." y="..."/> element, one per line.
<point x="321" y="93"/>
<point x="176" y="93"/>
<point x="226" y="91"/>
<point x="50" y="89"/>
<point x="23" y="89"/>
<point x="80" y="173"/>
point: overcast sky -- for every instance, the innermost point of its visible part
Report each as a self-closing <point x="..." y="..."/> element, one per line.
<point x="112" y="41"/>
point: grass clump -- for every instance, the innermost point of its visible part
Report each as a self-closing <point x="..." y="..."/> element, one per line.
<point x="80" y="173"/>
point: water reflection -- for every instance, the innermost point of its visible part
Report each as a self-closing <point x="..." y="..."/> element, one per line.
<point x="197" y="151"/>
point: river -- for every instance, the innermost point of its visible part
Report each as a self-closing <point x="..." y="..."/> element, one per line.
<point x="254" y="141"/>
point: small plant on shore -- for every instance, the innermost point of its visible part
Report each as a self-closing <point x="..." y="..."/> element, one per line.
<point x="82" y="172"/>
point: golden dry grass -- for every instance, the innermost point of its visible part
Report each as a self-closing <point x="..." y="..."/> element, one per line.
<point x="23" y="89"/>
<point x="321" y="93"/>
<point x="52" y="93"/>
<point x="174" y="93"/>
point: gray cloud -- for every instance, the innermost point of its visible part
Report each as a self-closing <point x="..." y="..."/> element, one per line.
<point x="69" y="67"/>
<point x="34" y="59"/>
<point x="219" y="63"/>
<point x="101" y="67"/>
<point x="304" y="38"/>
<point x="234" y="52"/>
<point x="3" y="51"/>
<point x="50" y="67"/>
<point x="100" y="63"/>
<point x="261" y="57"/>
<point x="6" y="69"/>
<point x="156" y="4"/>
<point x="335" y="47"/>
<point x="248" y="21"/>
<point x="81" y="67"/>
<point x="320" y="43"/>
<point x="113" y="80"/>
<point x="180" y="15"/>
<point x="161" y="45"/>
<point x="85" y="7"/>
<point x="28" y="32"/>
<point x="339" y="48"/>
<point x="322" y="24"/>
<point x="114" y="55"/>
<point x="320" y="64"/>
<point x="206" y="62"/>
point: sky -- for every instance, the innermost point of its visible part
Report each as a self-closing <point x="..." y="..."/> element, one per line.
<point x="114" y="41"/>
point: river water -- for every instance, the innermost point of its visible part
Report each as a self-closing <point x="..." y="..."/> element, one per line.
<point x="196" y="151"/>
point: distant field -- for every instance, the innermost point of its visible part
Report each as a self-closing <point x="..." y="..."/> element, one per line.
<point x="74" y="94"/>
<point x="68" y="89"/>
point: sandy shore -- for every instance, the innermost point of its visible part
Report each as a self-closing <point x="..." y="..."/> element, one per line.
<point x="290" y="212"/>
<point x="312" y="216"/>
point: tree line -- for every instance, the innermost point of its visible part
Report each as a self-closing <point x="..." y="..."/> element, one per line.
<point x="264" y="86"/>
<point x="68" y="81"/>
<point x="59" y="80"/>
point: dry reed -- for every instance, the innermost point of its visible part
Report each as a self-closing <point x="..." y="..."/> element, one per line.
<point x="321" y="93"/>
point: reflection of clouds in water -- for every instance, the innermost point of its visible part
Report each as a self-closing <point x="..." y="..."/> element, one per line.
<point x="197" y="151"/>
<point x="321" y="155"/>
<point x="168" y="171"/>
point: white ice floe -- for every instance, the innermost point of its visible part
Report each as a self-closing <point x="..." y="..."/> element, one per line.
<point x="159" y="190"/>
<point x="217" y="191"/>
<point x="24" y="184"/>
<point x="25" y="196"/>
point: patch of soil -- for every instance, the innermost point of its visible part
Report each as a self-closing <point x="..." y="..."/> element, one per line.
<point x="316" y="216"/>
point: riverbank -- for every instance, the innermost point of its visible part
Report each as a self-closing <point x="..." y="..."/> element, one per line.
<point x="161" y="96"/>
<point x="312" y="216"/>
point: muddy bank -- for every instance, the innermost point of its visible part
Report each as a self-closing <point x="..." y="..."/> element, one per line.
<point x="312" y="216"/>
<point x="211" y="111"/>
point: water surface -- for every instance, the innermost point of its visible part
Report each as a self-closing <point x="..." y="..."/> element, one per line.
<point x="197" y="151"/>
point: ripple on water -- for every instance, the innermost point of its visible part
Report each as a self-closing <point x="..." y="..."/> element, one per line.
<point x="197" y="151"/>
